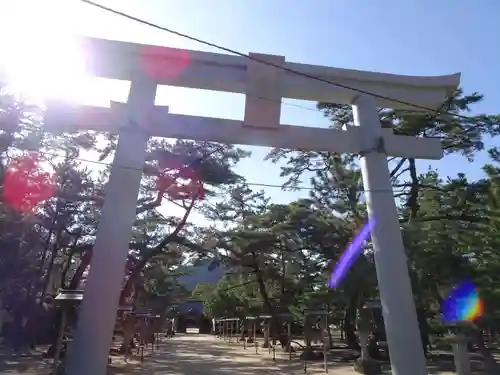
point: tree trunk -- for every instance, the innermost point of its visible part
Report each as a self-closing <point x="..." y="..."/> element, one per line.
<point x="263" y="291"/>
<point x="128" y="328"/>
<point x="67" y="266"/>
<point x="267" y="334"/>
<point x="349" y="325"/>
<point x="84" y="263"/>
<point x="330" y="338"/>
<point x="267" y="302"/>
<point x="307" y="336"/>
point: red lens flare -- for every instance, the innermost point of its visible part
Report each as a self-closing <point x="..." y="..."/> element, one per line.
<point x="179" y="181"/>
<point x="26" y="184"/>
<point x="164" y="63"/>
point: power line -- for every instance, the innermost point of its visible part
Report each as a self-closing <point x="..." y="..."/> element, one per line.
<point x="198" y="162"/>
<point x="256" y="184"/>
<point x="284" y="68"/>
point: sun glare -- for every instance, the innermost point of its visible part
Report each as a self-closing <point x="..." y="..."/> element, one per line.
<point x="40" y="58"/>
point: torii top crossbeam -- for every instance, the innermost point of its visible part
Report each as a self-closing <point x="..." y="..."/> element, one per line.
<point x="221" y="72"/>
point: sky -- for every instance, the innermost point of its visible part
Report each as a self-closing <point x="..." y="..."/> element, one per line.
<point x="413" y="37"/>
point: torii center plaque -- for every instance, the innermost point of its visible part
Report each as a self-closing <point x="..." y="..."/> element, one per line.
<point x="264" y="87"/>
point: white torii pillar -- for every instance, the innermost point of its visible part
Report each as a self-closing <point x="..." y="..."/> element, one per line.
<point x="264" y="87"/>
<point x="398" y="307"/>
<point x="97" y="314"/>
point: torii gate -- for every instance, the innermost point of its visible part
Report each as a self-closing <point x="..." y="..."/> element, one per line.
<point x="264" y="87"/>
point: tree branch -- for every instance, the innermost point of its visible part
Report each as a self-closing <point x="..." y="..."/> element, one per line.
<point x="398" y="167"/>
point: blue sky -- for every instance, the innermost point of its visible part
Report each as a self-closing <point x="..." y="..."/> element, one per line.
<point x="414" y="37"/>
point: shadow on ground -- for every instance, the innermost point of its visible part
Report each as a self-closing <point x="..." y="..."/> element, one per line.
<point x="197" y="355"/>
<point x="191" y="355"/>
<point x="11" y="363"/>
<point x="194" y="354"/>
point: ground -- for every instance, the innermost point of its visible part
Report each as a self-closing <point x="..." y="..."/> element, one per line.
<point x="194" y="354"/>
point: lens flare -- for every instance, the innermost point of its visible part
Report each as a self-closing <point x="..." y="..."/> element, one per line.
<point x="27" y="183"/>
<point x="351" y="254"/>
<point x="463" y="304"/>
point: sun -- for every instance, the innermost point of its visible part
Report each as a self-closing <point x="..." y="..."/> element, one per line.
<point x="40" y="57"/>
